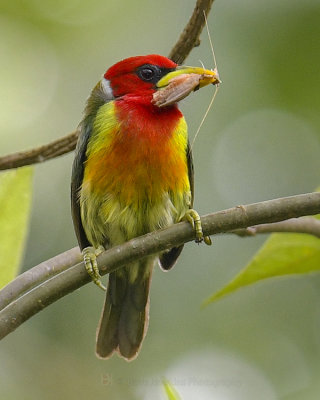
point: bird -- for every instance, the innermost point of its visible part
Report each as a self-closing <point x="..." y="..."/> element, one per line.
<point x="133" y="174"/>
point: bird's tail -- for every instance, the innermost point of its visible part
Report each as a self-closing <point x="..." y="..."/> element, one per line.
<point x="125" y="316"/>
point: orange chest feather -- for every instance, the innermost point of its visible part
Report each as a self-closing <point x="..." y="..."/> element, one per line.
<point x="139" y="157"/>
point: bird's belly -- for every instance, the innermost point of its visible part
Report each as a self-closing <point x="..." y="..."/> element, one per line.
<point x="109" y="222"/>
<point x="130" y="203"/>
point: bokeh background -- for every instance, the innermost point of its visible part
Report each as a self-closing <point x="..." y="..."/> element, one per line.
<point x="261" y="140"/>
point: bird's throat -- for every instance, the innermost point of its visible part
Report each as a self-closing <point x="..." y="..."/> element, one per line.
<point x="138" y="153"/>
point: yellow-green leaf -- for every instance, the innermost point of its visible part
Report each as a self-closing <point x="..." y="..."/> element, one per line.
<point x="282" y="254"/>
<point x="15" y="199"/>
<point x="170" y="391"/>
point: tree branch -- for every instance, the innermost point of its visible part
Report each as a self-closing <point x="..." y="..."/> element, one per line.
<point x="74" y="276"/>
<point x="188" y="39"/>
<point x="306" y="225"/>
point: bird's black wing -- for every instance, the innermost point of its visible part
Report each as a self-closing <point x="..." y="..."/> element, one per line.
<point x="76" y="182"/>
<point x="190" y="172"/>
<point x="101" y="94"/>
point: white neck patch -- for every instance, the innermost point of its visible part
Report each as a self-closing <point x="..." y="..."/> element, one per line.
<point x="106" y="88"/>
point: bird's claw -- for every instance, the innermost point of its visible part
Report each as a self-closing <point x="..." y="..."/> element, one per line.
<point x="90" y="261"/>
<point x="194" y="219"/>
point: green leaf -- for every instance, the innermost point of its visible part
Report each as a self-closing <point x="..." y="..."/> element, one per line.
<point x="15" y="200"/>
<point x="170" y="391"/>
<point x="282" y="254"/>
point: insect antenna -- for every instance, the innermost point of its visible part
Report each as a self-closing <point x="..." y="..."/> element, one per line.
<point x="216" y="87"/>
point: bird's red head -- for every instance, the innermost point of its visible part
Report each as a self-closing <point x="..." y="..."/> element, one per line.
<point x="155" y="80"/>
<point x="138" y="75"/>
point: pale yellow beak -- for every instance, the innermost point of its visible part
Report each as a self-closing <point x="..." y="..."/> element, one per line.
<point x="178" y="84"/>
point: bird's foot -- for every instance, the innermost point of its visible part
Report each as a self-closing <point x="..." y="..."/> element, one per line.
<point x="90" y="261"/>
<point x="194" y="219"/>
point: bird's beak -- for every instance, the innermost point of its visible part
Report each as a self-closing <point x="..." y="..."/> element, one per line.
<point x="178" y="84"/>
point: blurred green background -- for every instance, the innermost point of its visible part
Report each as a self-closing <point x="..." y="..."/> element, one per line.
<point x="261" y="140"/>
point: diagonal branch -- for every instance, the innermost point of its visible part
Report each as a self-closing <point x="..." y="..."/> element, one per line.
<point x="188" y="39"/>
<point x="38" y="274"/>
<point x="39" y="154"/>
<point x="74" y="276"/>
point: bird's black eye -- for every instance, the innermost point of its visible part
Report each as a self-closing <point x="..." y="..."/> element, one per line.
<point x="152" y="73"/>
<point x="147" y="74"/>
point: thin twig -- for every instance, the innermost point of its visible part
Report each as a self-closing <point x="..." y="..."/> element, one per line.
<point x="188" y="39"/>
<point x="40" y="154"/>
<point x="306" y="225"/>
<point x="33" y="301"/>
